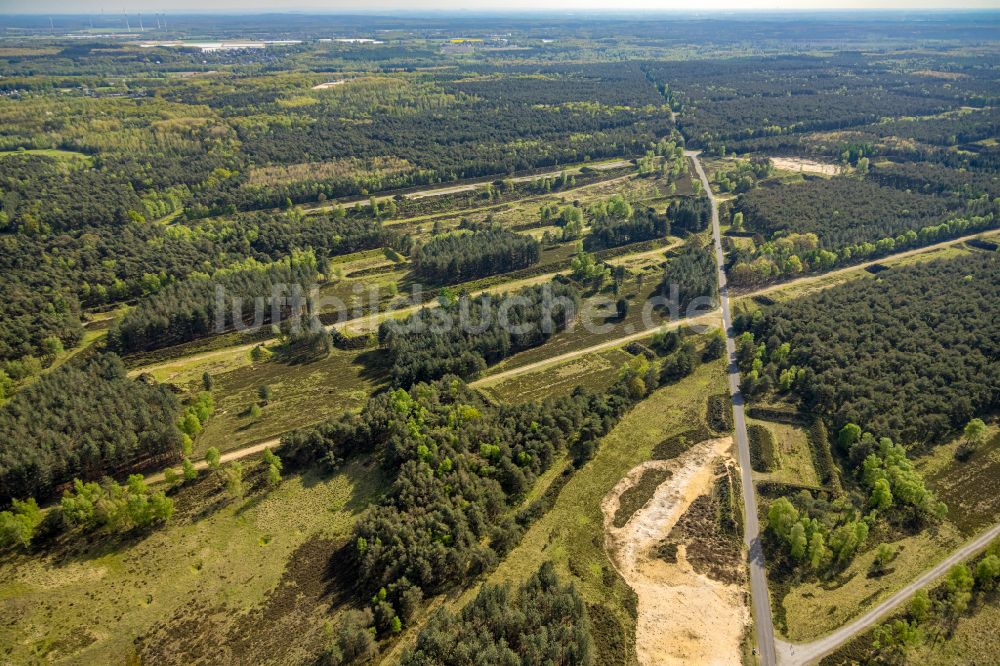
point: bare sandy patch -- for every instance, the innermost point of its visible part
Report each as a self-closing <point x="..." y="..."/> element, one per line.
<point x="684" y="617"/>
<point x="329" y="84"/>
<point x="937" y="74"/>
<point x="808" y="166"/>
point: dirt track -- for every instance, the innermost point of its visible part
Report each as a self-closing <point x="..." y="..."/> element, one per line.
<point x="235" y="454"/>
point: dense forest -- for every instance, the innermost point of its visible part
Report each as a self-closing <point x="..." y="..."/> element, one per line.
<point x="728" y="103"/>
<point x="45" y="195"/>
<point x="822" y="223"/>
<point x="912" y="354"/>
<point x="930" y="178"/>
<point x="460" y="465"/>
<point x="83" y="421"/>
<point x="542" y="622"/>
<point x="457" y="257"/>
<point x="467" y="335"/>
<point x="840" y="211"/>
<point x="690" y="214"/>
<point x="245" y="296"/>
<point x="689" y="275"/>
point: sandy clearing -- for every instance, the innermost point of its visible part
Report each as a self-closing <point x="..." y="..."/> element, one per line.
<point x="329" y="84"/>
<point x="684" y="617"/>
<point x="808" y="166"/>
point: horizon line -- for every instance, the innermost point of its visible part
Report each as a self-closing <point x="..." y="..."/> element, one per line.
<point x="390" y="12"/>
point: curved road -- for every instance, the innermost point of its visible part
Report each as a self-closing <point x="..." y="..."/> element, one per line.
<point x="763" y="622"/>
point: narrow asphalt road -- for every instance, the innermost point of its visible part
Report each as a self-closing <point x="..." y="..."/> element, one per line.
<point x="803" y="653"/>
<point x="763" y="622"/>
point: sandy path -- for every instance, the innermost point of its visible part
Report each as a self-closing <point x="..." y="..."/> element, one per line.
<point x="228" y="456"/>
<point x="711" y="320"/>
<point x="684" y="617"/>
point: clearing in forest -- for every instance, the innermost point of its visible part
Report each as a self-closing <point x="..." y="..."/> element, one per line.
<point x="804" y="165"/>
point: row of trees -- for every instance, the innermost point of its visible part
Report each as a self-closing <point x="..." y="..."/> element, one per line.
<point x="794" y="253"/>
<point x="246" y="295"/>
<point x="457" y="257"/>
<point x="469" y="334"/>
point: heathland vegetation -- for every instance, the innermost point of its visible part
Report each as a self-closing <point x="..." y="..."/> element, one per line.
<point x="436" y="483"/>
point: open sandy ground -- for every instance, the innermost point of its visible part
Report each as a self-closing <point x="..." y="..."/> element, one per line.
<point x="684" y="617"/>
<point x="808" y="166"/>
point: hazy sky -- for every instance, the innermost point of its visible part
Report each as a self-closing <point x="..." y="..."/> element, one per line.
<point x="150" y="6"/>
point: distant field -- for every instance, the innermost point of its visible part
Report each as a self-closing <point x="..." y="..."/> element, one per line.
<point x="65" y="155"/>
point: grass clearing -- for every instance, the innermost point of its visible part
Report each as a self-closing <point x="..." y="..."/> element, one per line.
<point x="976" y="641"/>
<point x="814" y="609"/>
<point x="971" y="489"/>
<point x="69" y="156"/>
<point x="90" y="607"/>
<point x="302" y="395"/>
<point x="794" y="456"/>
<point x="595" y="371"/>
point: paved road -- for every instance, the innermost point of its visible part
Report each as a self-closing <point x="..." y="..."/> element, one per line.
<point x="802" y="653"/>
<point x="751" y="529"/>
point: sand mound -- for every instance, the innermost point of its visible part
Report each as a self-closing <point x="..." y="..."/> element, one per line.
<point x="684" y="617"/>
